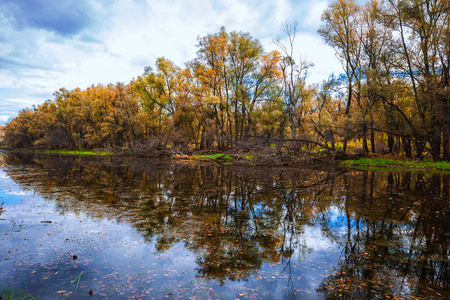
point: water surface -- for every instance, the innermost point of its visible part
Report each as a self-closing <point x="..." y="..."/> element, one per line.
<point x="143" y="229"/>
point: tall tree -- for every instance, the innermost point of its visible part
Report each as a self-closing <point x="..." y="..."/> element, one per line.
<point x="341" y="30"/>
<point x="292" y="75"/>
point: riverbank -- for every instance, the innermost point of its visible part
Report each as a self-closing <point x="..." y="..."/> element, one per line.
<point x="304" y="159"/>
<point x="78" y="152"/>
<point x="397" y="163"/>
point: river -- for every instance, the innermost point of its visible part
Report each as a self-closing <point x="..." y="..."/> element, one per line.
<point x="121" y="228"/>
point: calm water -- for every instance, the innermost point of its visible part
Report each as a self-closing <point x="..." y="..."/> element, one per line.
<point x="142" y="229"/>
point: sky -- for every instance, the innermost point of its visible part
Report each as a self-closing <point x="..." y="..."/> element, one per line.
<point x="49" y="44"/>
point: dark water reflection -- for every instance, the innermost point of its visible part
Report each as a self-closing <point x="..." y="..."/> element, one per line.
<point x="153" y="229"/>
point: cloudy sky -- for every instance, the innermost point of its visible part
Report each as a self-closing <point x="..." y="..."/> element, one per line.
<point x="49" y="44"/>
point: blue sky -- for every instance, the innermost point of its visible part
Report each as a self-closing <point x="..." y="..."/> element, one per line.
<point x="49" y="44"/>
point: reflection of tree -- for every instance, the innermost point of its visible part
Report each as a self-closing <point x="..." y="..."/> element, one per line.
<point x="233" y="219"/>
<point x="392" y="226"/>
<point x="396" y="243"/>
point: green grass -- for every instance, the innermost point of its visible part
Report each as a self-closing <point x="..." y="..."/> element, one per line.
<point x="79" y="152"/>
<point x="214" y="156"/>
<point x="399" y="163"/>
<point x="9" y="293"/>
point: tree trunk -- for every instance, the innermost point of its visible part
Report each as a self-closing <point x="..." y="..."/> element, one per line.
<point x="292" y="123"/>
<point x="372" y="140"/>
<point x="435" y="143"/>
<point x="390" y="144"/>
<point x="407" y="147"/>
<point x="365" y="147"/>
<point x="446" y="154"/>
<point x="420" y="145"/>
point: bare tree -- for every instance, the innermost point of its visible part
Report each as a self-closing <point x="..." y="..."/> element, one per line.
<point x="293" y="74"/>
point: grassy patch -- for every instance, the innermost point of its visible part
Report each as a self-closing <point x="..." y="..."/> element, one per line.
<point x="222" y="156"/>
<point x="80" y="152"/>
<point x="399" y="163"/>
<point x="214" y="156"/>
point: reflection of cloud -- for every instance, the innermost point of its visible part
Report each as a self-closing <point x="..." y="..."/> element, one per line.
<point x="3" y="174"/>
<point x="20" y="193"/>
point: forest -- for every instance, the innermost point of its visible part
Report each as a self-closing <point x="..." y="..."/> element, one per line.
<point x="391" y="98"/>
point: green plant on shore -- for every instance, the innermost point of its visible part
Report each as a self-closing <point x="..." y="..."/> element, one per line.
<point x="214" y="156"/>
<point x="222" y="156"/>
<point x="80" y="152"/>
<point x="402" y="163"/>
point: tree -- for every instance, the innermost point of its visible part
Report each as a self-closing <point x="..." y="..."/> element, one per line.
<point x="293" y="75"/>
<point x="158" y="92"/>
<point x="341" y="30"/>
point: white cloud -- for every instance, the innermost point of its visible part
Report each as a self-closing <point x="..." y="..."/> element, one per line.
<point x="22" y="102"/>
<point x="3" y="118"/>
<point x="315" y="50"/>
<point x="128" y="35"/>
<point x="315" y="12"/>
<point x="311" y="48"/>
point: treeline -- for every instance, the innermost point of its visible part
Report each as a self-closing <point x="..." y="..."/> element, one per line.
<point x="393" y="96"/>
<point x="396" y="57"/>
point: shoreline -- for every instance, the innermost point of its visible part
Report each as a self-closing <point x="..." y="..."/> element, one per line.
<point x="251" y="159"/>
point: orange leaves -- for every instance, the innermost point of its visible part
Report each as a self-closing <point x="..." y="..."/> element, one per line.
<point x="270" y="63"/>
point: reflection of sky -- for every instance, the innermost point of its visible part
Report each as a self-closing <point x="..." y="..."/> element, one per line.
<point x="336" y="218"/>
<point x="104" y="249"/>
<point x="116" y="262"/>
<point x="10" y="193"/>
<point x="336" y="221"/>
